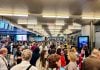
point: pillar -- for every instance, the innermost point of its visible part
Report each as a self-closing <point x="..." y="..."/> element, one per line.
<point x="89" y="30"/>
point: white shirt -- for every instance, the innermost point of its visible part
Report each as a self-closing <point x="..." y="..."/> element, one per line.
<point x="23" y="66"/>
<point x="39" y="65"/>
<point x="72" y="66"/>
<point x="41" y="48"/>
<point x="3" y="63"/>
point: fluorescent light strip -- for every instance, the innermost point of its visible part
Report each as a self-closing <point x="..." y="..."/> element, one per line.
<point x="56" y="16"/>
<point x="90" y="17"/>
<point x="49" y="16"/>
<point x="20" y="15"/>
<point x="76" y="24"/>
<point x="74" y="27"/>
<point x="6" y="14"/>
<point x="62" y="16"/>
<point x="61" y="24"/>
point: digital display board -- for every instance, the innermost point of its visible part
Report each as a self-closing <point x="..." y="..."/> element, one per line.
<point x="83" y="41"/>
<point x="21" y="37"/>
<point x="2" y="24"/>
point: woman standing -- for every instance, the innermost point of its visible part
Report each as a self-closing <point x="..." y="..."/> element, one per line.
<point x="41" y="63"/>
<point x="61" y="53"/>
<point x="54" y="62"/>
<point x="72" y="64"/>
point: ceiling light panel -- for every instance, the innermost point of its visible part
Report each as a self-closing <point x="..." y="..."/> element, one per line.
<point x="54" y="35"/>
<point x="76" y="24"/>
<point x="12" y="12"/>
<point x="43" y="33"/>
<point x="55" y="27"/>
<point x="54" y="31"/>
<point x="6" y="12"/>
<point x="32" y="21"/>
<point x="91" y="15"/>
<point x="38" y="30"/>
<point x="51" y="27"/>
<point x="60" y="22"/>
<point x="74" y="27"/>
<point x="37" y="27"/>
<point x="54" y="16"/>
<point x="58" y="27"/>
<point x="22" y="21"/>
<point x="67" y="31"/>
<point x="30" y="26"/>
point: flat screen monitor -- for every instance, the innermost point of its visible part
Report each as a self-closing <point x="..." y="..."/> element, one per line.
<point x="39" y="38"/>
<point x="83" y="41"/>
<point x="21" y="37"/>
<point x="2" y="24"/>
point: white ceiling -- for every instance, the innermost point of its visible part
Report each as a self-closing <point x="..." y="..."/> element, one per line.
<point x="50" y="17"/>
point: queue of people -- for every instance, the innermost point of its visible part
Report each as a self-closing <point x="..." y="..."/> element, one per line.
<point x="41" y="56"/>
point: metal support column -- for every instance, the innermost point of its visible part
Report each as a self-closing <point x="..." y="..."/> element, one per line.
<point x="91" y="36"/>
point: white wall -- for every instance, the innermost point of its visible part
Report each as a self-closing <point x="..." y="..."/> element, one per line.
<point x="97" y="39"/>
<point x="86" y="30"/>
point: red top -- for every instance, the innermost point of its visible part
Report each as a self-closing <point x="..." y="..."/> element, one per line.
<point x="63" y="62"/>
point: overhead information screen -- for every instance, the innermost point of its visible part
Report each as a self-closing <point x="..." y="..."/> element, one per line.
<point x="2" y="24"/>
<point x="39" y="38"/>
<point x="21" y="37"/>
<point x="83" y="41"/>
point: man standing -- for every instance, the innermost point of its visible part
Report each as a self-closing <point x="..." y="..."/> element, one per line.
<point x="92" y="62"/>
<point x="3" y="61"/>
<point x="25" y="64"/>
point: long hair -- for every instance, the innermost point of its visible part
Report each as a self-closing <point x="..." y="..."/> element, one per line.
<point x="72" y="56"/>
<point x="42" y="58"/>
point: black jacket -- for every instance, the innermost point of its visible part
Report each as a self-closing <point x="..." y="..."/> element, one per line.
<point x="35" y="56"/>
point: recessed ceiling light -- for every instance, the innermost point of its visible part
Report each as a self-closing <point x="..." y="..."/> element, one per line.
<point x="46" y="16"/>
<point x="20" y="15"/>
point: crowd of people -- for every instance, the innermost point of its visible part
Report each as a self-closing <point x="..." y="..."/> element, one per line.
<point x="47" y="56"/>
